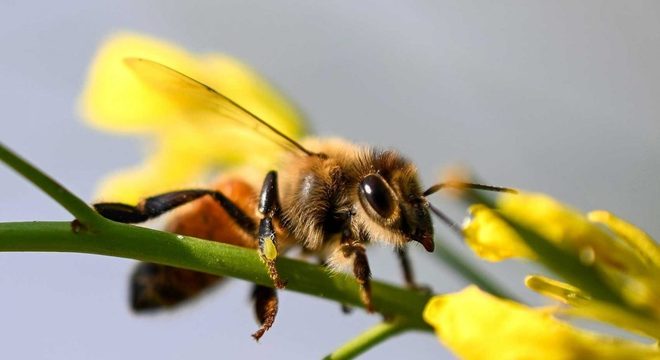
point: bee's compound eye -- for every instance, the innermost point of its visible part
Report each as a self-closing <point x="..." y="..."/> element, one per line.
<point x="378" y="194"/>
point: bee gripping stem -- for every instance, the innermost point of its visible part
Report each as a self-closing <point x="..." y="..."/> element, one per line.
<point x="269" y="206"/>
<point x="149" y="245"/>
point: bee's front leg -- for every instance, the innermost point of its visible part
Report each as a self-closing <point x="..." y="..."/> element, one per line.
<point x="409" y="278"/>
<point x="269" y="207"/>
<point x="408" y="275"/>
<point x="352" y="248"/>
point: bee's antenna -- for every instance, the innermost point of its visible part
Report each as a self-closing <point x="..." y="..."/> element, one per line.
<point x="452" y="225"/>
<point x="460" y="185"/>
<point x="465" y="185"/>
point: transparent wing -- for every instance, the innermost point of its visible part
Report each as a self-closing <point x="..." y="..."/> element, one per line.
<point x="170" y="81"/>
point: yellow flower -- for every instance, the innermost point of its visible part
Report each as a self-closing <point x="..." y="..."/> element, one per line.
<point x="581" y="304"/>
<point x="476" y="325"/>
<point x="561" y="225"/>
<point x="187" y="140"/>
<point x="491" y="238"/>
<point x="607" y="251"/>
<point x="626" y="256"/>
<point x="646" y="247"/>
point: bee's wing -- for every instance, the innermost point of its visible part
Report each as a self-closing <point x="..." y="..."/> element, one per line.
<point x="170" y="81"/>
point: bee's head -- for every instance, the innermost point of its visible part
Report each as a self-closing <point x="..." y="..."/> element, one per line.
<point x="394" y="208"/>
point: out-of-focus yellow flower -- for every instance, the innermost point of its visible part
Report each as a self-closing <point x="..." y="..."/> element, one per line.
<point x="187" y="140"/>
<point x="476" y="325"/>
<point x="618" y="256"/>
<point x="558" y="223"/>
<point x="491" y="238"/>
<point x="627" y="257"/>
<point x="637" y="239"/>
<point x="582" y="305"/>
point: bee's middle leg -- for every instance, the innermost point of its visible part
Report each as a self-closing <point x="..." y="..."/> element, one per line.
<point x="269" y="207"/>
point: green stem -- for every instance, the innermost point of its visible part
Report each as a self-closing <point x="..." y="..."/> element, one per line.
<point x="143" y="244"/>
<point x="367" y="340"/>
<point x="57" y="192"/>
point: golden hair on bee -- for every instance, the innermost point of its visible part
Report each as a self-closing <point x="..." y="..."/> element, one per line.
<point x="378" y="188"/>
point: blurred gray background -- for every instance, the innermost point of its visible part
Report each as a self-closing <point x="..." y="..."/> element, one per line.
<point x="554" y="96"/>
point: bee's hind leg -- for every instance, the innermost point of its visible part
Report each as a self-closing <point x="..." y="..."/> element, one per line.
<point x="269" y="207"/>
<point x="265" y="307"/>
<point x="148" y="208"/>
<point x="155" y="206"/>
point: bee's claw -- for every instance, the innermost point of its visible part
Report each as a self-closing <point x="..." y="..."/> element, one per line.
<point x="77" y="226"/>
<point x="280" y="284"/>
<point x="258" y="334"/>
<point x="346" y="309"/>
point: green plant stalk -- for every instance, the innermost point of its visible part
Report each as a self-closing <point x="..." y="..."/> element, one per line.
<point x="143" y="244"/>
<point x="367" y="340"/>
<point x="57" y="192"/>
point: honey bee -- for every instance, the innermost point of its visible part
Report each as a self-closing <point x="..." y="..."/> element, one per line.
<point x="329" y="197"/>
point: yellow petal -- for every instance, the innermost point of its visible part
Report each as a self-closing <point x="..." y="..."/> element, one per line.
<point x="583" y="306"/>
<point x="571" y="230"/>
<point x="476" y="325"/>
<point x="639" y="284"/>
<point x="646" y="247"/>
<point x="162" y="171"/>
<point x="491" y="238"/>
<point x="622" y="263"/>
<point x="551" y="219"/>
<point x="242" y="84"/>
<point x="115" y="99"/>
<point x="190" y="140"/>
<point x="566" y="293"/>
